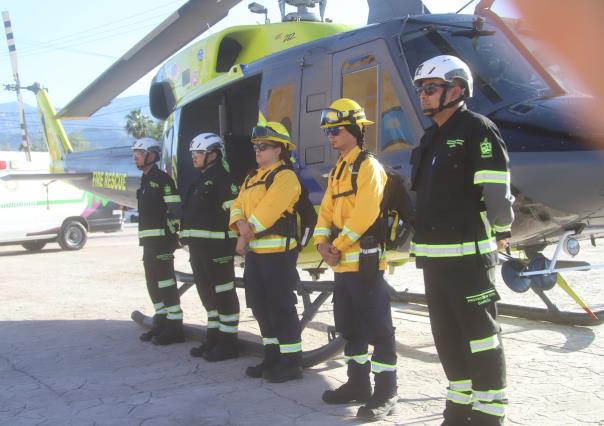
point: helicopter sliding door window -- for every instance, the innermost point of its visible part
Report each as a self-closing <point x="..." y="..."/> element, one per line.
<point x="368" y="79"/>
<point x="361" y="85"/>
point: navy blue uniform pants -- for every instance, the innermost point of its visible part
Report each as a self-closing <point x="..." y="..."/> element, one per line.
<point x="270" y="280"/>
<point x="362" y="315"/>
<point x="212" y="265"/>
<point x="461" y="301"/>
<point x="158" y="260"/>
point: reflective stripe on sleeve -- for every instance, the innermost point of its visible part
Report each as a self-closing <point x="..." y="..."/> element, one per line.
<point x="322" y="232"/>
<point x="236" y="212"/>
<point x="257" y="225"/>
<point x="351" y="235"/>
<point x="506" y="228"/>
<point x="227" y="204"/>
<point x="491" y="176"/>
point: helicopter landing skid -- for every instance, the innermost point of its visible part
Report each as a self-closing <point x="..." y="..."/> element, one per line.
<point x="249" y="343"/>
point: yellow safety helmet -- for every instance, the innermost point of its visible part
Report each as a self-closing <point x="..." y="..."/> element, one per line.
<point x="344" y="112"/>
<point x="272" y="131"/>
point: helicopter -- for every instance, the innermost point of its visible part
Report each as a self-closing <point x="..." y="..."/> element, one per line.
<point x="290" y="71"/>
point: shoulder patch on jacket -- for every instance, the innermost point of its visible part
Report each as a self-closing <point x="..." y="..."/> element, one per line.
<point x="486" y="148"/>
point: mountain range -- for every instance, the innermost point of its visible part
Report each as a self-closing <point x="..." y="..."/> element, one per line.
<point x="103" y="130"/>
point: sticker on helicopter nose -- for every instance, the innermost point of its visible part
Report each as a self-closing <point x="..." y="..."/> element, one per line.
<point x="109" y="180"/>
<point x="486" y="148"/>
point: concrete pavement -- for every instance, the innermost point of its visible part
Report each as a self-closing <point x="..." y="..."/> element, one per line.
<point x="70" y="355"/>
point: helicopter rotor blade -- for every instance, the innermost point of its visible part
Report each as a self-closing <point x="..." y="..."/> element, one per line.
<point x="189" y="21"/>
<point x="12" y="51"/>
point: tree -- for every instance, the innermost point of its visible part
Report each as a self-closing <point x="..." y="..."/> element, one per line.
<point x="157" y="130"/>
<point x="138" y="125"/>
<point x="78" y="142"/>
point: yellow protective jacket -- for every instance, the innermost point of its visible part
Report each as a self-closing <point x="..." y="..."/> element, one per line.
<point x="263" y="208"/>
<point x="352" y="214"/>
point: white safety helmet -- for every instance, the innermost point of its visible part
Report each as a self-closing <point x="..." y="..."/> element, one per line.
<point x="207" y="142"/>
<point x="448" y="68"/>
<point x="148" y="145"/>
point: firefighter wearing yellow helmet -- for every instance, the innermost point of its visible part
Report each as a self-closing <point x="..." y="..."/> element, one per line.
<point x="350" y="237"/>
<point x="262" y="214"/>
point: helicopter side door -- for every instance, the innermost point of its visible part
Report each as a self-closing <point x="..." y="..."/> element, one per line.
<point x="366" y="73"/>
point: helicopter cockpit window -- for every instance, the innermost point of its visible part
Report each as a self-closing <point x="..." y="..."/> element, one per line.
<point x="362" y="87"/>
<point x="502" y="75"/>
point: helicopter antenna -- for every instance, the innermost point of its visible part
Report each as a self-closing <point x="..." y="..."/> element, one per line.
<point x="303" y="14"/>
<point x="10" y="39"/>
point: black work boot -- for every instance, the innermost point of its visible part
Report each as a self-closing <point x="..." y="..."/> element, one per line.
<point x="172" y="333"/>
<point x="384" y="400"/>
<point x="357" y="388"/>
<point x="157" y="327"/>
<point x="288" y="368"/>
<point x="226" y="348"/>
<point x="211" y="341"/>
<point x="271" y="358"/>
<point x="457" y="414"/>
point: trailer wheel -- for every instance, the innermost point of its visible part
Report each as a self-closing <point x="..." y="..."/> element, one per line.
<point x="35" y="245"/>
<point x="73" y="236"/>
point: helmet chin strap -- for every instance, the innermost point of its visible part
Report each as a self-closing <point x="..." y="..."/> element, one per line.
<point x="431" y="112"/>
<point x="207" y="164"/>
<point x="146" y="163"/>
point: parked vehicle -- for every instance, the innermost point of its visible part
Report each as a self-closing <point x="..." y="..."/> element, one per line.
<point x="37" y="210"/>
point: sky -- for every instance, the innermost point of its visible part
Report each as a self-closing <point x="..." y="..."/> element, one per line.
<point x="65" y="44"/>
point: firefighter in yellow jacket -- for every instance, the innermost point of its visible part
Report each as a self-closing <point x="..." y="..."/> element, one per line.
<point x="350" y="236"/>
<point x="263" y="215"/>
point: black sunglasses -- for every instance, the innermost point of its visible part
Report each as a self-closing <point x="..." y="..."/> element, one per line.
<point x="430" y="88"/>
<point x="333" y="131"/>
<point x="263" y="146"/>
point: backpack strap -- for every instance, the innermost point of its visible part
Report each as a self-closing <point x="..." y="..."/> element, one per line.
<point x="356" y="166"/>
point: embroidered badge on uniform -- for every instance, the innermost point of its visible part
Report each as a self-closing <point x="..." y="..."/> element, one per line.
<point x="167" y="190"/>
<point x="486" y="148"/>
<point x="153" y="184"/>
<point x="234" y="189"/>
<point x="208" y="182"/>
<point x="452" y="143"/>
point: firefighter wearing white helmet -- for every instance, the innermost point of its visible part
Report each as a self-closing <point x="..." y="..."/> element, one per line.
<point x="205" y="229"/>
<point x="453" y="72"/>
<point x="461" y="175"/>
<point x="350" y="237"/>
<point x="159" y="208"/>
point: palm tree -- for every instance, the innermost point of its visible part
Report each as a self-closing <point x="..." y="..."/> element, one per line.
<point x="138" y="125"/>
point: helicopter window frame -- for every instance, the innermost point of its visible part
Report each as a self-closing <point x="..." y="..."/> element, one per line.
<point x="409" y="128"/>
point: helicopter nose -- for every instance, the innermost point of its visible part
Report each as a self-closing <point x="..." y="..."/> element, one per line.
<point x="570" y="182"/>
<point x="555" y="161"/>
